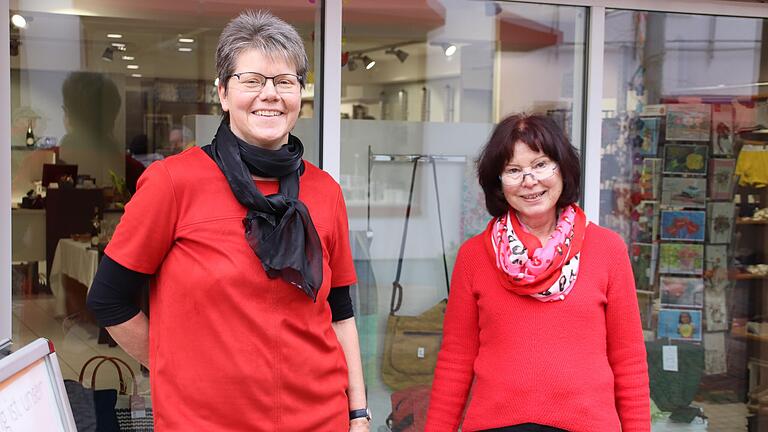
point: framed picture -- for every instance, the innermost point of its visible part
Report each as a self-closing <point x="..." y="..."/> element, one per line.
<point x="682" y="258"/>
<point x="645" y="222"/>
<point x="649" y="179"/>
<point x="688" y="122"/>
<point x="684" y="192"/>
<point x="721" y="219"/>
<point x="721" y="178"/>
<point x="643" y="259"/>
<point x="645" y="139"/>
<point x="682" y="291"/>
<point x="683" y="225"/>
<point x="679" y="324"/>
<point x="722" y="129"/>
<point x="685" y="158"/>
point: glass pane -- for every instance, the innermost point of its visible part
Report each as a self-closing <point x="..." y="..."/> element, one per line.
<point x="684" y="117"/>
<point x="107" y="90"/>
<point x="444" y="74"/>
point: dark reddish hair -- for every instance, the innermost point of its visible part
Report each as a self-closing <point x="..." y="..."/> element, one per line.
<point x="540" y="133"/>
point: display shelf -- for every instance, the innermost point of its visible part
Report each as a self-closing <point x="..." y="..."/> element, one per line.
<point x="736" y="274"/>
<point x="750" y="221"/>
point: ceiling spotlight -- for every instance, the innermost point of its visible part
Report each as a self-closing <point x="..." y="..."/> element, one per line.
<point x="449" y="49"/>
<point x="108" y="54"/>
<point x="185" y="49"/>
<point x="186" y="40"/>
<point x="400" y="54"/>
<point x="114" y="36"/>
<point x="135" y="75"/>
<point x="119" y="46"/>
<point x="132" y="66"/>
<point x="368" y="62"/>
<point x="19" y="21"/>
<point x="129" y="58"/>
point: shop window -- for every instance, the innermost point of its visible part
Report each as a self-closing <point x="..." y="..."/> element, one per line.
<point x="424" y="83"/>
<point x="685" y="111"/>
<point x="94" y="100"/>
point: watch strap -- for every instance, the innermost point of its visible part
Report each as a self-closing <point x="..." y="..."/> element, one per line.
<point x="359" y="413"/>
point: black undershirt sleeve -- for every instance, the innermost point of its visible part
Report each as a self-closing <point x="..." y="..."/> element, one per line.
<point x="113" y="295"/>
<point x="341" y="303"/>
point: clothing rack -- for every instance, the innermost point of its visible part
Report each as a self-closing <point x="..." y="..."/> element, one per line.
<point x="386" y="157"/>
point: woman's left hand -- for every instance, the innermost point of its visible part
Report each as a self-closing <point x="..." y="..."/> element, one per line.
<point x="359" y="425"/>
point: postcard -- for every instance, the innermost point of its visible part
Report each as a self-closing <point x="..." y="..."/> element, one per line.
<point x="721" y="179"/>
<point x="714" y="354"/>
<point x="684" y="225"/>
<point x="721" y="218"/>
<point x="722" y="129"/>
<point x="643" y="259"/>
<point x="679" y="324"/>
<point x="688" y="122"/>
<point x="649" y="179"/>
<point x="684" y="192"/>
<point x="685" y="158"/>
<point x="645" y="222"/>
<point x="682" y="258"/>
<point x="716" y="262"/>
<point x="645" y="138"/>
<point x="682" y="291"/>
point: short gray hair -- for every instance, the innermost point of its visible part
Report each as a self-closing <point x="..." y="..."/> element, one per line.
<point x="264" y="32"/>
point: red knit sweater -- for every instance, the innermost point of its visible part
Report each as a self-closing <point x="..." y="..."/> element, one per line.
<point x="577" y="364"/>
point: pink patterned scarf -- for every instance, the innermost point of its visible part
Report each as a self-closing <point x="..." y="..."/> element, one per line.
<point x="548" y="272"/>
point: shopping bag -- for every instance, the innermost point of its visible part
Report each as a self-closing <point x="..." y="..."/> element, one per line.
<point x="411" y="345"/>
<point x="116" y="409"/>
<point x="409" y="409"/>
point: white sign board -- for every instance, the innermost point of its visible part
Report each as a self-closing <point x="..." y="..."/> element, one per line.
<point x="32" y="395"/>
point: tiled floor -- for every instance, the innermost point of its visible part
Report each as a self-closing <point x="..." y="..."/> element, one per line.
<point x="75" y="341"/>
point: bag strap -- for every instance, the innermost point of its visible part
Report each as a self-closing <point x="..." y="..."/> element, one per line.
<point x="116" y="362"/>
<point x="440" y="221"/>
<point x="93" y="374"/>
<point x="397" y="290"/>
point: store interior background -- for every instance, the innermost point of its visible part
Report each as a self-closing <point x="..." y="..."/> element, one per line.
<point x="510" y="57"/>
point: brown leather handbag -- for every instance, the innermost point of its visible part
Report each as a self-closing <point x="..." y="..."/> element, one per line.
<point x="411" y="343"/>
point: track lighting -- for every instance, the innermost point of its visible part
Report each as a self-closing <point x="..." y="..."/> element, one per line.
<point x="397" y="52"/>
<point x="18" y="21"/>
<point x="449" y="49"/>
<point x="108" y="54"/>
<point x="368" y="62"/>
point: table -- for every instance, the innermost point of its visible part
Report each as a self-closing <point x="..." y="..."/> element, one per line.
<point x="76" y="261"/>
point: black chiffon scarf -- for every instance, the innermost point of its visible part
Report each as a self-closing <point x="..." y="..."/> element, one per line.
<point x="278" y="227"/>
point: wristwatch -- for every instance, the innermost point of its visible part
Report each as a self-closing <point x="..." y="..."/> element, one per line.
<point x="360" y="413"/>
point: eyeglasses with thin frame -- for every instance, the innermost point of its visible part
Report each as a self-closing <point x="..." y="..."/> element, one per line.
<point x="255" y="82"/>
<point x="541" y="170"/>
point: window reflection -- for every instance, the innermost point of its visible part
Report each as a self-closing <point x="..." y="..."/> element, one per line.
<point x="683" y="107"/>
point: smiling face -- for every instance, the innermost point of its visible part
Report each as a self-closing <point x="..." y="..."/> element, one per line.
<point x="262" y="119"/>
<point x="534" y="200"/>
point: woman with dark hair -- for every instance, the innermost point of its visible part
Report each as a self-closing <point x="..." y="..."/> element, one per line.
<point x="542" y="321"/>
<point x="246" y="246"/>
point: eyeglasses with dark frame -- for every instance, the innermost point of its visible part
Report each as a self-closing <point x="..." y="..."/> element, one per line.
<point x="541" y="170"/>
<point x="255" y="82"/>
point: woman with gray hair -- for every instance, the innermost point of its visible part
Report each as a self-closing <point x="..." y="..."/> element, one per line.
<point x="246" y="247"/>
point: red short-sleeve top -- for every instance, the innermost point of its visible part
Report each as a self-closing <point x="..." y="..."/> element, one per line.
<point x="231" y="349"/>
